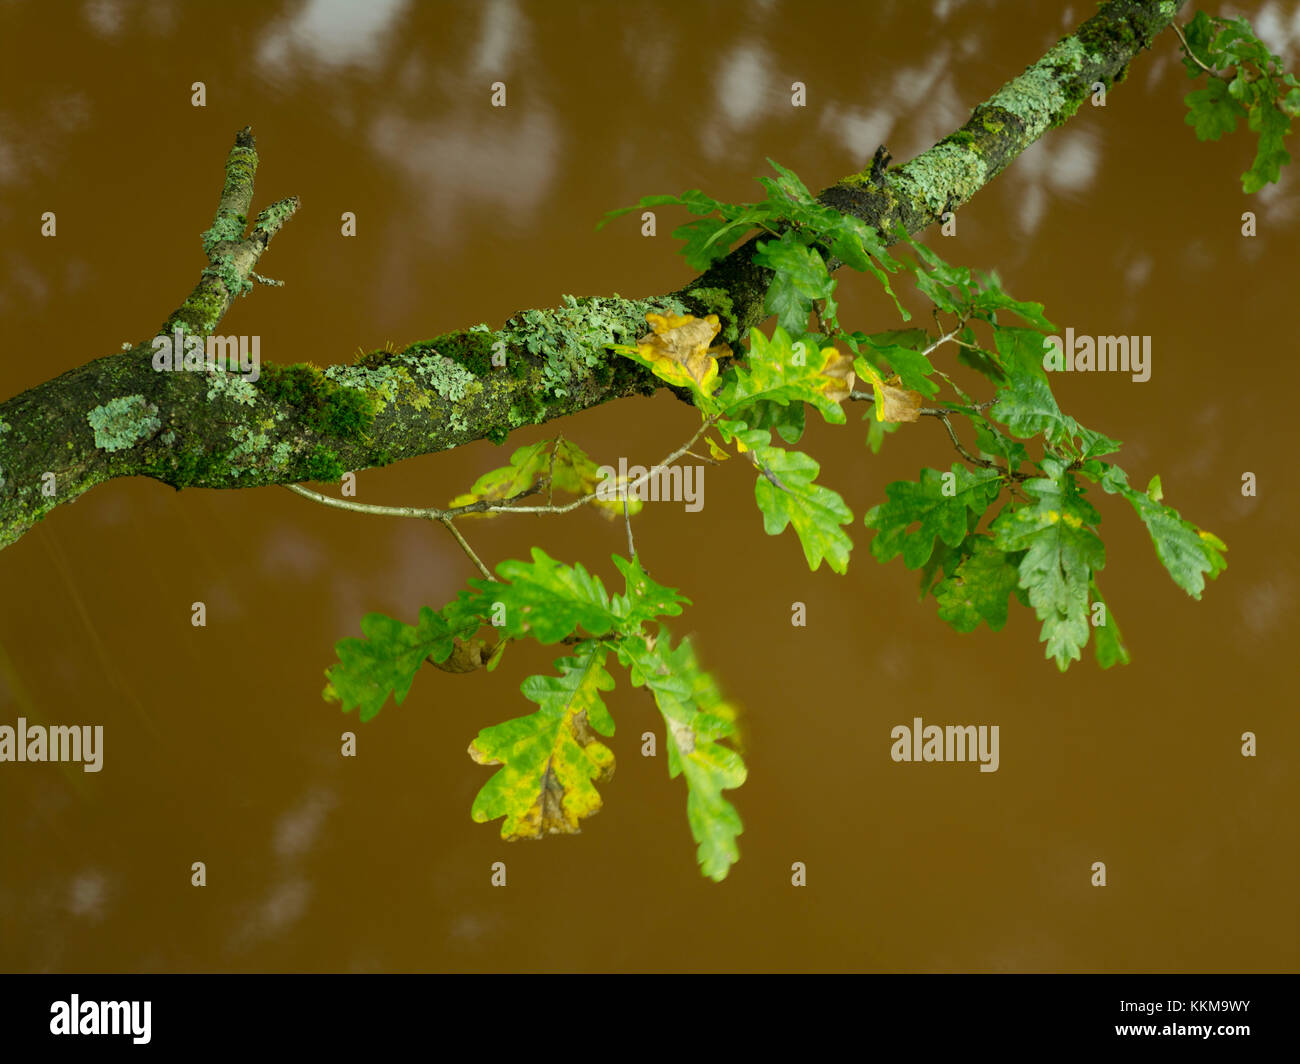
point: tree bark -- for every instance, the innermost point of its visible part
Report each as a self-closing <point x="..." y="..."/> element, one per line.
<point x="117" y="416"/>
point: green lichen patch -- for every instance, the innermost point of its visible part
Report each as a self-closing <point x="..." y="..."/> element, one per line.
<point x="991" y="120"/>
<point x="248" y="445"/>
<point x="383" y="382"/>
<point x="449" y="379"/>
<point x="123" y="422"/>
<point x="225" y="228"/>
<point x="282" y="452"/>
<point x="274" y="216"/>
<point x="223" y="269"/>
<point x="573" y="339"/>
<point x="1038" y="95"/>
<point x="233" y="386"/>
<point x="944" y="172"/>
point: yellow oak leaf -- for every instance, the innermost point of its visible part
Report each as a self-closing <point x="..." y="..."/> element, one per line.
<point x="838" y="368"/>
<point x="893" y="402"/>
<point x="900" y="404"/>
<point x="716" y="449"/>
<point x="679" y="349"/>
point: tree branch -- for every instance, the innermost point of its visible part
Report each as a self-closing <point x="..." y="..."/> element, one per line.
<point x="116" y="416"/>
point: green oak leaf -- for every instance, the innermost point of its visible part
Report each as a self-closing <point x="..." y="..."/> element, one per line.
<point x="568" y="466"/>
<point x="786" y="187"/>
<point x="907" y="360"/>
<point x="787" y="418"/>
<point x="694" y="200"/>
<point x="877" y="430"/>
<point x="1020" y="350"/>
<point x="1108" y="642"/>
<point x="1187" y="552"/>
<point x="550" y="759"/>
<point x="544" y="598"/>
<point x="993" y="441"/>
<point x="785" y="372"/>
<point x="801" y="277"/>
<point x="1061" y="553"/>
<point x="980" y="587"/>
<point x="645" y="599"/>
<point x="527" y="466"/>
<point x="941" y="503"/>
<point x="1272" y="125"/>
<point x="386" y="660"/>
<point x="787" y="497"/>
<point x="702" y="247"/>
<point x="1025" y="404"/>
<point x="991" y="298"/>
<point x="695" y="717"/>
<point x="1212" y="111"/>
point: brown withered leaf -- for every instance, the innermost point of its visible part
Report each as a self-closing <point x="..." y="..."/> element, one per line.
<point x="899" y="403"/>
<point x="685" y="340"/>
<point x="839" y="368"/>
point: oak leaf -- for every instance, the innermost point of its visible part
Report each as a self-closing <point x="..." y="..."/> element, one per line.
<point x="893" y="401"/>
<point x="680" y="349"/>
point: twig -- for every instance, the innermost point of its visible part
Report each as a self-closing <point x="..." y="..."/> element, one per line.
<point x="627" y="518"/>
<point x="484" y="507"/>
<point x="450" y="526"/>
<point x="961" y="450"/>
<point x="231" y="255"/>
<point x="1195" y="58"/>
<point x="766" y="472"/>
<point x="550" y="470"/>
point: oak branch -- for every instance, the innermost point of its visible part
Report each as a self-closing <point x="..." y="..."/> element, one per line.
<point x="118" y="416"/>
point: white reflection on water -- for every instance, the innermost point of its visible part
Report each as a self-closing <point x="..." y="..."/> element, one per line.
<point x="1064" y="164"/>
<point x="859" y="131"/>
<point x="332" y="33"/>
<point x="298" y="827"/>
<point x="503" y="33"/>
<point x="742" y="85"/>
<point x="87" y="894"/>
<point x="104" y="16"/>
<point x="462" y="160"/>
<point x="287" y="898"/>
<point x="1276" y="27"/>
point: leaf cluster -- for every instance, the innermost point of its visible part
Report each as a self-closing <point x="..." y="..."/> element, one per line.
<point x="551" y="759"/>
<point x="1259" y="89"/>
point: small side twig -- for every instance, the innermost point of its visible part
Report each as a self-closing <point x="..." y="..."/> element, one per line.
<point x="1192" y="55"/>
<point x="450" y="526"/>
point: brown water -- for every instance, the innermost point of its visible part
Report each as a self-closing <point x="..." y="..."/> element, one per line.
<point x="218" y="747"/>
